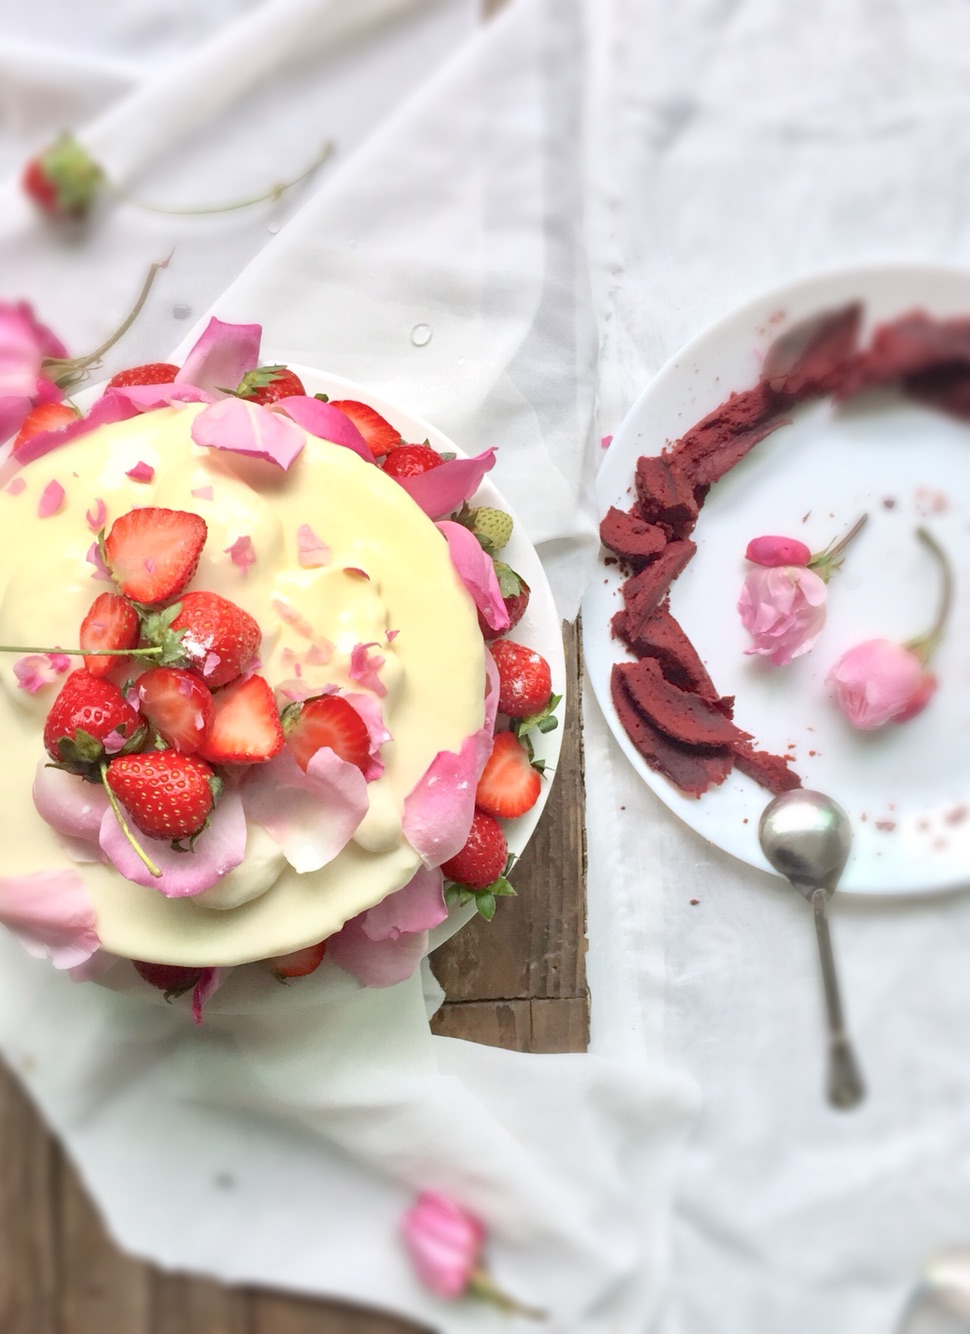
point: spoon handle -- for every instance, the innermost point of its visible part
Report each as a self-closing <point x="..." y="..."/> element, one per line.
<point x="845" y="1086"/>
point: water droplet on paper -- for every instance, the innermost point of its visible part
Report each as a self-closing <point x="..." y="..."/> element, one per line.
<point x="461" y="361"/>
<point x="421" y="334"/>
<point x="181" y="311"/>
<point x="272" y="228"/>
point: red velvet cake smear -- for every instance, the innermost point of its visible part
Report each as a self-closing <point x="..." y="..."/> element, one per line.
<point x="666" y="700"/>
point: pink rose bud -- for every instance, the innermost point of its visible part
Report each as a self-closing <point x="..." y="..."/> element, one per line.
<point x="444" y="1242"/>
<point x="778" y="551"/>
<point x="880" y="682"/>
<point x="783" y="609"/>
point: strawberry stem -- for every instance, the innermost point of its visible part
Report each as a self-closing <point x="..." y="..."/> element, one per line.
<point x="113" y="801"/>
<point x="274" y="193"/>
<point x="69" y="371"/>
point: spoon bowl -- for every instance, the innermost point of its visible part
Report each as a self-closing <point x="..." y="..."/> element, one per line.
<point x="807" y="837"/>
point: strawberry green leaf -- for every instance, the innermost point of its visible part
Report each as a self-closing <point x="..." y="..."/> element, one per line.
<point x="485" y="903"/>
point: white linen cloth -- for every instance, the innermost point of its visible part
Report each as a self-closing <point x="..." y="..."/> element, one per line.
<point x="580" y="189"/>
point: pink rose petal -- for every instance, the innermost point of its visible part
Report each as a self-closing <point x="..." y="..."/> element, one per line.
<point x="95" y="558"/>
<point x="312" y="815"/>
<point x="221" y="356"/>
<point x="442" y="490"/>
<point x="16" y="486"/>
<point x="477" y="572"/>
<point x="51" y="914"/>
<point x="242" y="553"/>
<point x="71" y="806"/>
<point x="290" y="616"/>
<point x="202" y="492"/>
<point x="369" y="708"/>
<point x="217" y="850"/>
<point x="364" y="668"/>
<point x="109" y="408"/>
<point x="241" y="427"/>
<point x="606" y="441"/>
<point x="209" y="982"/>
<point x="325" y="422"/>
<point x="376" y="963"/>
<point x="141" y="472"/>
<point x="36" y="670"/>
<point x="96" y="515"/>
<point x="312" y="551"/>
<point x="51" y="499"/>
<point x="438" y="810"/>
<point x="417" y="906"/>
<point x="148" y="397"/>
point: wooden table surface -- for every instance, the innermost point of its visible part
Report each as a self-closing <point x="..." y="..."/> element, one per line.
<point x="517" y="982"/>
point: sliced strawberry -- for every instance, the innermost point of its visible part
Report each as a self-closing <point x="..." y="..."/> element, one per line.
<point x="299" y="963"/>
<point x="153" y="553"/>
<point x="411" y="461"/>
<point x="246" y="728"/>
<point x="178" y="706"/>
<point x="525" y="681"/>
<point x="329" y="721"/>
<point x="482" y="859"/>
<point x="380" y="435"/>
<point x="153" y="372"/>
<point x="111" y="622"/>
<point x="45" y="417"/>
<point x="167" y="795"/>
<point x="219" y="639"/>
<point x="173" y="979"/>
<point x="510" y="784"/>
<point x="268" y="384"/>
<point x="86" y="713"/>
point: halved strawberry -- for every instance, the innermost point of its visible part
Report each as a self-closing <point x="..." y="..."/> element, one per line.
<point x="268" y="384"/>
<point x="111" y="622"/>
<point x="167" y="795"/>
<point x="246" y="727"/>
<point x="153" y="553"/>
<point x="152" y="372"/>
<point x="218" y="638"/>
<point x="525" y="681"/>
<point x="510" y="784"/>
<point x="482" y="859"/>
<point x="177" y="705"/>
<point x="327" y="720"/>
<point x="45" y="417"/>
<point x="380" y="435"/>
<point x="299" y="963"/>
<point x="411" y="461"/>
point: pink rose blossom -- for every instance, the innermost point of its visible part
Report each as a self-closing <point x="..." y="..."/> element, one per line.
<point x="880" y="682"/>
<point x="444" y="1242"/>
<point x="783" y="609"/>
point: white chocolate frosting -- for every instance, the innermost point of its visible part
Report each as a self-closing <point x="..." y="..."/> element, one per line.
<point x="311" y="619"/>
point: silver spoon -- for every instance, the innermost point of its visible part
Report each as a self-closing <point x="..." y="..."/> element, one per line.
<point x="806" y="837"/>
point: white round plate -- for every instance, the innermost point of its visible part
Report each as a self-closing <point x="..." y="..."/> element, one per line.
<point x="906" y="787"/>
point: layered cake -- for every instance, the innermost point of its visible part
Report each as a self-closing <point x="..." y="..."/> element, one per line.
<point x="328" y="696"/>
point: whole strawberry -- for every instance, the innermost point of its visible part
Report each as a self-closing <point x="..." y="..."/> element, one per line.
<point x="153" y="372"/>
<point x="88" y="713"/>
<point x="525" y="681"/>
<point x="173" y="979"/>
<point x="63" y="180"/>
<point x="218" y="639"/>
<point x="268" y="384"/>
<point x="515" y="594"/>
<point x="411" y="461"/>
<point x="167" y="795"/>
<point x="482" y="859"/>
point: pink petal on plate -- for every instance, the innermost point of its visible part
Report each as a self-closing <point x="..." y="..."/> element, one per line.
<point x="51" y="914"/>
<point x="325" y="422"/>
<point x="148" y="397"/>
<point x="477" y="573"/>
<point x="242" y="553"/>
<point x="209" y="982"/>
<point x="364" y="667"/>
<point x="71" y="806"/>
<point x="221" y="356"/>
<point x="141" y="472"/>
<point x="312" y="551"/>
<point x="51" y="499"/>
<point x="217" y="850"/>
<point x="438" y="810"/>
<point x="441" y="490"/>
<point x="108" y="408"/>
<point x="203" y="492"/>
<point x="96" y="515"/>
<point x="376" y="963"/>
<point x="312" y="815"/>
<point x="417" y="906"/>
<point x="242" y="427"/>
<point x="16" y="486"/>
<point x="369" y="708"/>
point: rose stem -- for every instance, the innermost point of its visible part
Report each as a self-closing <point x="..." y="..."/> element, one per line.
<point x="926" y="644"/>
<point x="152" y="868"/>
